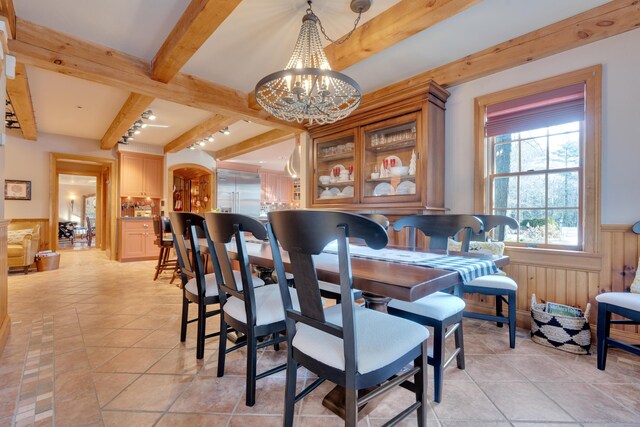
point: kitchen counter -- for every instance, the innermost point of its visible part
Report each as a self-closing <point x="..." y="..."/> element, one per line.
<point x="137" y="218"/>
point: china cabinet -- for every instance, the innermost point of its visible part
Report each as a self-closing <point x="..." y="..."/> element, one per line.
<point x="388" y="155"/>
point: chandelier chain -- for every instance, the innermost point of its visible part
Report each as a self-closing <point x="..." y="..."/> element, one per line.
<point x="322" y="30"/>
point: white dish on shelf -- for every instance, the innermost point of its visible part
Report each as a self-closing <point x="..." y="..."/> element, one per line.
<point x="326" y="194"/>
<point x="383" y="189"/>
<point x="399" y="170"/>
<point x="347" y="191"/>
<point x="406" y="187"/>
<point x="335" y="191"/>
<point x="324" y="179"/>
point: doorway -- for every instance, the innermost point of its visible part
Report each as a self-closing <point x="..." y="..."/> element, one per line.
<point x="77" y="211"/>
<point x="83" y="194"/>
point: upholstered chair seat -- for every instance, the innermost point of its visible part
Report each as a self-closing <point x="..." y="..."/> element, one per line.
<point x="379" y="343"/>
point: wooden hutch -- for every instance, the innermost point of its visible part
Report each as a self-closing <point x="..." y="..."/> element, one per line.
<point x="387" y="157"/>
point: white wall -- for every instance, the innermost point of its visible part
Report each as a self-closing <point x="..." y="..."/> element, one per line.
<point x="620" y="122"/>
<point x="65" y="192"/>
<point x="30" y="160"/>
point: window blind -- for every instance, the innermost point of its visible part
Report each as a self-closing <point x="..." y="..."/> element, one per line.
<point x="551" y="108"/>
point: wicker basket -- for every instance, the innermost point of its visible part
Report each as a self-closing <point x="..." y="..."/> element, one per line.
<point x="571" y="334"/>
<point x="51" y="262"/>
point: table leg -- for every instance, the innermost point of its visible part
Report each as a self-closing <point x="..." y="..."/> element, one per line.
<point x="376" y="302"/>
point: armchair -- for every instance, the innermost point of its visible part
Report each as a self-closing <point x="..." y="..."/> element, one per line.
<point x="23" y="241"/>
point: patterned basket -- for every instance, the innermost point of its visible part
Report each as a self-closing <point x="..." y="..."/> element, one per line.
<point x="571" y="334"/>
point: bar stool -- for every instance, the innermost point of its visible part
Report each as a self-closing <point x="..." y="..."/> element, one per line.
<point x="164" y="241"/>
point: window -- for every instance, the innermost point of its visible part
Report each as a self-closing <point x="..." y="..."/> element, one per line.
<point x="538" y="160"/>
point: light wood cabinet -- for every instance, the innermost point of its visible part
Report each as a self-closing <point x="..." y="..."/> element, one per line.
<point x="141" y="175"/>
<point x="387" y="156"/>
<point x="276" y="187"/>
<point x="137" y="240"/>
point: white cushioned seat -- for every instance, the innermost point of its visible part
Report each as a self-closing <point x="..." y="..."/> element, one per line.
<point x="438" y="306"/>
<point x="496" y="281"/>
<point x="269" y="308"/>
<point x="621" y="299"/>
<point x="212" y="286"/>
<point x="380" y="339"/>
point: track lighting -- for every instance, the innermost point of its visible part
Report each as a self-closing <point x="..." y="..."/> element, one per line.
<point x="225" y="131"/>
<point x="191" y="147"/>
<point x="148" y="115"/>
<point x="210" y="139"/>
<point x="201" y="143"/>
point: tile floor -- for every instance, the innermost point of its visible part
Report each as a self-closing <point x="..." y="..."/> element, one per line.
<point x="97" y="343"/>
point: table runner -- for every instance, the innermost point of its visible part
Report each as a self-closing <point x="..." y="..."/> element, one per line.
<point x="468" y="268"/>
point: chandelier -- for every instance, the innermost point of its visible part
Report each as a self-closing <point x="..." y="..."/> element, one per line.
<point x="307" y="89"/>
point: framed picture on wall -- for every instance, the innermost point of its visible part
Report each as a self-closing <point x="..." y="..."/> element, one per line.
<point x="17" y="190"/>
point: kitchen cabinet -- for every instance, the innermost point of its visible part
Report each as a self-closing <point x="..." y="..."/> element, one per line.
<point x="384" y="158"/>
<point x="276" y="187"/>
<point x="137" y="240"/>
<point x="141" y="175"/>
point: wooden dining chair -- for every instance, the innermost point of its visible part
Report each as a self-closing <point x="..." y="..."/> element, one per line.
<point x="197" y="288"/>
<point x="258" y="313"/>
<point x="499" y="285"/>
<point x="440" y="310"/>
<point x="351" y="346"/>
<point x="624" y="304"/>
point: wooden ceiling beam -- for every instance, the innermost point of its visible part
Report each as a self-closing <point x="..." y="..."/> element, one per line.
<point x="399" y="22"/>
<point x="610" y="19"/>
<point x="18" y="88"/>
<point x="131" y="110"/>
<point x="211" y="125"/>
<point x="257" y="142"/>
<point x="55" y="51"/>
<point x="7" y="10"/>
<point x="20" y="96"/>
<point x="201" y="19"/>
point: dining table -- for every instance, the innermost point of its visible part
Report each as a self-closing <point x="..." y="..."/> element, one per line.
<point x="380" y="278"/>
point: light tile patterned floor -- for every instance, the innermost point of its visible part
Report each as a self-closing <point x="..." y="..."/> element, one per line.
<point x="97" y="343"/>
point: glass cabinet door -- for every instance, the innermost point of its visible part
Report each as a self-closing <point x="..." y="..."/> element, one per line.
<point x="391" y="160"/>
<point x="335" y="169"/>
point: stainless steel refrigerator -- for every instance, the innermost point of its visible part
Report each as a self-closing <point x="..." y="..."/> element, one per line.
<point x="238" y="192"/>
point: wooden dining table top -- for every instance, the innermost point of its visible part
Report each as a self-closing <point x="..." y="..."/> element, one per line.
<point x="389" y="279"/>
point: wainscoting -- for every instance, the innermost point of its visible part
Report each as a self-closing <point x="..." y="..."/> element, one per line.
<point x="571" y="278"/>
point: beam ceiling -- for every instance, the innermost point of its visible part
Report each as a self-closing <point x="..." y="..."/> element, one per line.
<point x="260" y="141"/>
<point x="55" y="51"/>
<point x="200" y="19"/>
<point x="211" y="125"/>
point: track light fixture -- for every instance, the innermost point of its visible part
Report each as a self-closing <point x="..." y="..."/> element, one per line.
<point x="148" y="115"/>
<point x="225" y="130"/>
<point x="210" y="138"/>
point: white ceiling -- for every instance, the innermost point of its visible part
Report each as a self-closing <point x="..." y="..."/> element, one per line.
<point x="256" y="39"/>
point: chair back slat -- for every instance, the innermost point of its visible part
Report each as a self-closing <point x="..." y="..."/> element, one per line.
<point x="439" y="228"/>
<point x="308" y="296"/>
<point x="496" y="224"/>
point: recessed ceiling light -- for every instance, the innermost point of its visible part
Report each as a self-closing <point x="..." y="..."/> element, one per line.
<point x="262" y="162"/>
